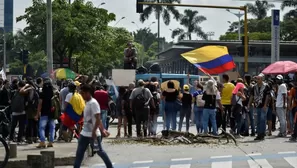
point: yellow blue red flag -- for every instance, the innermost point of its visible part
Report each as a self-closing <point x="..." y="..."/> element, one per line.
<point x="211" y="59"/>
<point x="75" y="107"/>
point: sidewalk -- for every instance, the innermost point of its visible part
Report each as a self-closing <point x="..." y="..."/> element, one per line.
<point x="64" y="154"/>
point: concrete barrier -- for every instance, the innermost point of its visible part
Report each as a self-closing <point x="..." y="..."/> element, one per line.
<point x="13" y="150"/>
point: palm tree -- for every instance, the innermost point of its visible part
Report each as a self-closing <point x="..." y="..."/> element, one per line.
<point x="190" y="20"/>
<point x="165" y="11"/>
<point x="259" y="9"/>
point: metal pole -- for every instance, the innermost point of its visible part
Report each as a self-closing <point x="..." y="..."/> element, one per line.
<point x="142" y="58"/>
<point x="239" y="27"/>
<point x="49" y="34"/>
<point x="158" y="15"/>
<point x="4" y="50"/>
<point x="245" y="41"/>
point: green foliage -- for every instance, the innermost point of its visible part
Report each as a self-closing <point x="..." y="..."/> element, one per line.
<point x="252" y="36"/>
<point x="145" y="36"/>
<point x="259" y="9"/>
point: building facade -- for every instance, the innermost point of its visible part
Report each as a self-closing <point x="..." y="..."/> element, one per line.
<point x="6" y="15"/>
<point x="171" y="60"/>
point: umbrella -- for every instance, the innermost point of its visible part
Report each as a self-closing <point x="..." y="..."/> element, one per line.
<point x="281" y="67"/>
<point x="164" y="84"/>
<point x="64" y="73"/>
<point x="44" y="75"/>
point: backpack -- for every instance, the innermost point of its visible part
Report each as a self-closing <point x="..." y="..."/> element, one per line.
<point x="17" y="103"/>
<point x="156" y="100"/>
<point x="140" y="101"/>
<point x="112" y="109"/>
<point x="199" y="101"/>
<point x="56" y="107"/>
<point x="32" y="100"/>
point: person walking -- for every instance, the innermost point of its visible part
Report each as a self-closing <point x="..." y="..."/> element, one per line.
<point x="92" y="130"/>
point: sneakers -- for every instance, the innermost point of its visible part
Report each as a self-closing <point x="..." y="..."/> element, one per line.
<point x="41" y="145"/>
<point x="293" y="139"/>
<point x="282" y="135"/>
<point x="50" y="145"/>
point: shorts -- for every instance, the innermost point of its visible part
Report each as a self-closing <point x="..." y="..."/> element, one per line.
<point x="68" y="122"/>
<point x="121" y="113"/>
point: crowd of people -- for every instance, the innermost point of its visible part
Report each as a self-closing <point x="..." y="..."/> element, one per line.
<point x="248" y="106"/>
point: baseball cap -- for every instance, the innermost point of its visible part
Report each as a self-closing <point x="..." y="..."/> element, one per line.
<point x="140" y="82"/>
<point x="186" y="87"/>
<point x="77" y="83"/>
<point x="279" y="77"/>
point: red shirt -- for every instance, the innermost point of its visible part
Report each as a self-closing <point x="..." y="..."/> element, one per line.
<point x="102" y="98"/>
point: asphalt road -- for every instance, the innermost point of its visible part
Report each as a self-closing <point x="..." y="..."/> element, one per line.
<point x="271" y="153"/>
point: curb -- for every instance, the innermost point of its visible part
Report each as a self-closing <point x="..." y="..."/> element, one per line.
<point x="60" y="161"/>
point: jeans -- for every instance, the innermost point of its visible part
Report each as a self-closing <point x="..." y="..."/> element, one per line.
<point x="44" y="120"/>
<point x="250" y="115"/>
<point x="18" y="120"/>
<point x="209" y="114"/>
<point x="185" y="112"/>
<point x="198" y="113"/>
<point x="83" y="143"/>
<point x="281" y="113"/>
<point x="142" y="118"/>
<point x="170" y="113"/>
<point x="153" y="124"/>
<point x="104" y="118"/>
<point x="261" y="121"/>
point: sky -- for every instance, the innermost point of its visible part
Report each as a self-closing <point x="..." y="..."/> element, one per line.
<point x="217" y="19"/>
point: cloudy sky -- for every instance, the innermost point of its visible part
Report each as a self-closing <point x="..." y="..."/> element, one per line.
<point x="217" y="19"/>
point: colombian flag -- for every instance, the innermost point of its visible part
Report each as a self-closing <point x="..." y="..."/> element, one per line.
<point x="75" y="107"/>
<point x="211" y="59"/>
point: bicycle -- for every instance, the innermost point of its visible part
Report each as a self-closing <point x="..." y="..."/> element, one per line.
<point x="4" y="128"/>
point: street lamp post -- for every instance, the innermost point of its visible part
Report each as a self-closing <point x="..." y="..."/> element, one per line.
<point x="142" y="39"/>
<point x="119" y="21"/>
<point x="239" y="15"/>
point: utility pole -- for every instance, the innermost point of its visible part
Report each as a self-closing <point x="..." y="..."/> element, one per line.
<point x="4" y="50"/>
<point x="49" y="35"/>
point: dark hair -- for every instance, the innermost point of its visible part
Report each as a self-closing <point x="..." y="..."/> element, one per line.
<point x="15" y="81"/>
<point x="122" y="90"/>
<point x="170" y="85"/>
<point x="226" y="77"/>
<point x="48" y="90"/>
<point x="38" y="81"/>
<point x="154" y="79"/>
<point x="199" y="86"/>
<point x="152" y="88"/>
<point x="72" y="87"/>
<point x="21" y="83"/>
<point x="87" y="88"/>
<point x="105" y="86"/>
<point x="5" y="82"/>
<point x="248" y="79"/>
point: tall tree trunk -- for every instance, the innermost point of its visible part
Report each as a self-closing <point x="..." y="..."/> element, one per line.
<point x="158" y="1"/>
<point x="190" y="36"/>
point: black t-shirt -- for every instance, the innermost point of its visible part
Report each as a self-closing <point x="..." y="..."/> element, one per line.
<point x="186" y="100"/>
<point x="46" y="104"/>
<point x="127" y="100"/>
<point x="170" y="96"/>
<point x="210" y="101"/>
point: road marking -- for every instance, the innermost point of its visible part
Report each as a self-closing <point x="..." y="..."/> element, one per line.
<point x="220" y="157"/>
<point x="140" y="167"/>
<point x="180" y="159"/>
<point x="181" y="166"/>
<point x="289" y="152"/>
<point x="256" y="163"/>
<point x="142" y="162"/>
<point x="224" y="164"/>
<point x="292" y="161"/>
<point x="99" y="165"/>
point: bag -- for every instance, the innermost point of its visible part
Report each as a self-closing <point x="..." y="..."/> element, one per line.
<point x="140" y="101"/>
<point x="56" y="107"/>
<point x="32" y="100"/>
<point x="199" y="101"/>
<point x="17" y="103"/>
<point x="112" y="109"/>
<point x="236" y="108"/>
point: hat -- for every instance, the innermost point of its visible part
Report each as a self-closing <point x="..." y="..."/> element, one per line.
<point x="279" y="77"/>
<point x="77" y="83"/>
<point x="186" y="87"/>
<point x="261" y="75"/>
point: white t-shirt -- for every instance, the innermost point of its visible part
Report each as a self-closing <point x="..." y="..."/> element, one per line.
<point x="68" y="97"/>
<point x="91" y="109"/>
<point x="282" y="89"/>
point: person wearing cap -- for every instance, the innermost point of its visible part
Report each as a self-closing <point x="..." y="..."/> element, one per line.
<point x="141" y="108"/>
<point x="281" y="105"/>
<point x="259" y="97"/>
<point x="186" y="108"/>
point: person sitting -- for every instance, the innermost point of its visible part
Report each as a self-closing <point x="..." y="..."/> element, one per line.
<point x="130" y="60"/>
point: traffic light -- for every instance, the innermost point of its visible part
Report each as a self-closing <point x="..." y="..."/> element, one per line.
<point x="139" y="7"/>
<point x="24" y="55"/>
<point x="242" y="40"/>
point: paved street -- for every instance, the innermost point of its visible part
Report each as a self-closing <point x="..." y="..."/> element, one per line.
<point x="273" y="152"/>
